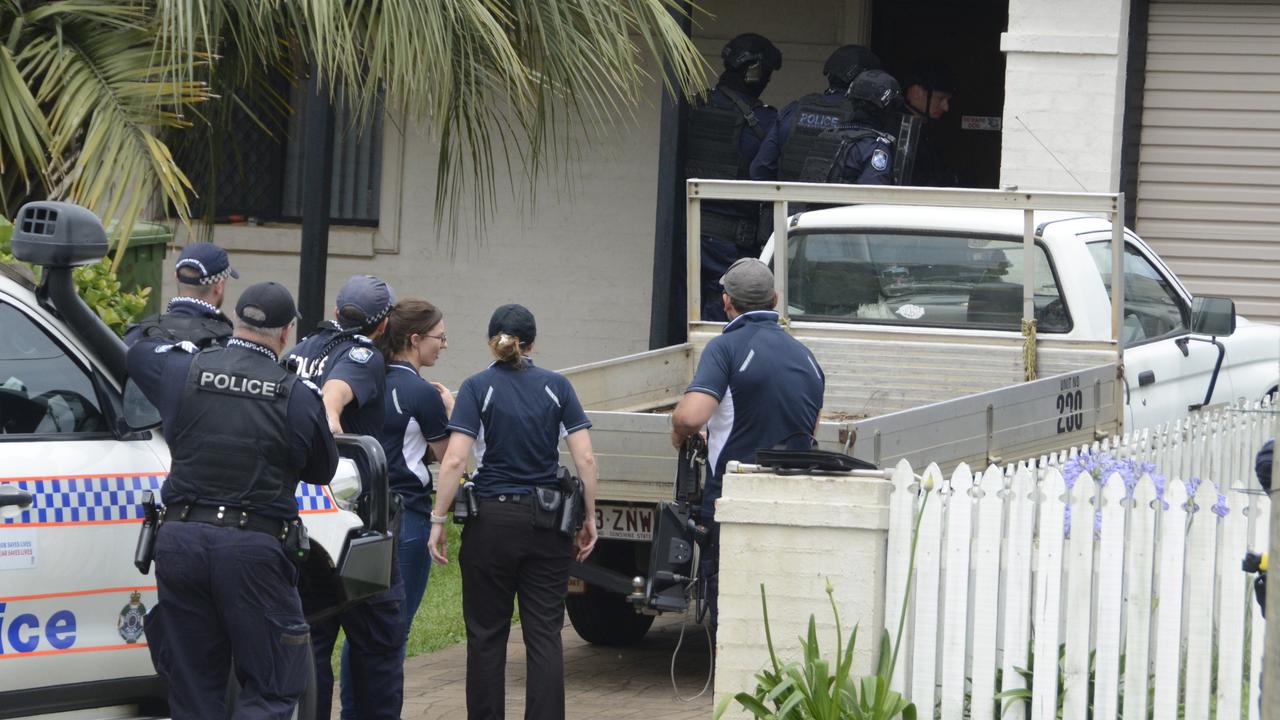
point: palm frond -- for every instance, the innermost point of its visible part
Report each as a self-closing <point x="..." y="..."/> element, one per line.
<point x="24" y="134"/>
<point x="106" y="100"/>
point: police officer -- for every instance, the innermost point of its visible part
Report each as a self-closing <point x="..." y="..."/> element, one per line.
<point x="242" y="432"/>
<point x="838" y="135"/>
<point x="194" y="314"/>
<point x="519" y="412"/>
<point x="776" y="387"/>
<point x="726" y="127"/>
<point x="928" y="93"/>
<point x="341" y="358"/>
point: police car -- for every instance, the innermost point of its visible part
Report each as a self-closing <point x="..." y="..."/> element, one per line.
<point x="80" y="448"/>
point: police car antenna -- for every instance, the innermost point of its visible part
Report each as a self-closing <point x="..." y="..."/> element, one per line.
<point x="1055" y="157"/>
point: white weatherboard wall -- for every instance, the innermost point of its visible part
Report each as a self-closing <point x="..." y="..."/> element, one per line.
<point x="1064" y="94"/>
<point x="795" y="534"/>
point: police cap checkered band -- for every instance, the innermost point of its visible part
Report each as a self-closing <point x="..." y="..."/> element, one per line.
<point x="208" y="260"/>
<point x="363" y="301"/>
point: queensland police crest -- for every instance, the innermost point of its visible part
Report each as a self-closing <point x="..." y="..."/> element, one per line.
<point x="360" y="354"/>
<point x="879" y="159"/>
<point x="129" y="624"/>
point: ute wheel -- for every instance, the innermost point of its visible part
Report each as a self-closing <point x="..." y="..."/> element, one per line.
<point x="604" y="618"/>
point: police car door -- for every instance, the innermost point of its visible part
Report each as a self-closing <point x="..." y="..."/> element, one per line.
<point x="1166" y="367"/>
<point x="71" y="601"/>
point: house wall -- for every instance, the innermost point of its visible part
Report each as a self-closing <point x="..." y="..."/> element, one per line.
<point x="1064" y="94"/>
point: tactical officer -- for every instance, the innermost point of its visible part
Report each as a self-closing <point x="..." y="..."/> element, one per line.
<point x="928" y="93"/>
<point x="513" y="415"/>
<point x="755" y="387"/>
<point x="726" y="127"/>
<point x="194" y="315"/>
<point x="341" y="357"/>
<point x="242" y="432"/>
<point x="838" y="135"/>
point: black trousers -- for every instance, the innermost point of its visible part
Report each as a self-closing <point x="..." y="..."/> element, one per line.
<point x="227" y="595"/>
<point x="504" y="557"/>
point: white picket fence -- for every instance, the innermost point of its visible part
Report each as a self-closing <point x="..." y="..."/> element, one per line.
<point x="1151" y="601"/>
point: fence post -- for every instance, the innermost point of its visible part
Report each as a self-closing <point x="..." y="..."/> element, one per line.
<point x="1139" y="566"/>
<point x="1044" y="682"/>
<point x="902" y="513"/>
<point x="986" y="595"/>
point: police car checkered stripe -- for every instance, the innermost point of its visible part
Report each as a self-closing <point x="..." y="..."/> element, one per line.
<point x="102" y="499"/>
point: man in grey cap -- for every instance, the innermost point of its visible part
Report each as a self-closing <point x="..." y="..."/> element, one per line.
<point x="756" y="387"/>
<point x="193" y="314"/>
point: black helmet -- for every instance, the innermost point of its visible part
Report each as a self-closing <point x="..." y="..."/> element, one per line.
<point x="749" y="49"/>
<point x="847" y="63"/>
<point x="932" y="76"/>
<point x="877" y="88"/>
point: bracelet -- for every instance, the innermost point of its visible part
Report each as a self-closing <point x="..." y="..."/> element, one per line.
<point x="439" y="519"/>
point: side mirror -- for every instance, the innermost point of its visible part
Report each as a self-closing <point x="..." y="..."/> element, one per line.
<point x="369" y="458"/>
<point x="139" y="413"/>
<point x="1214" y="316"/>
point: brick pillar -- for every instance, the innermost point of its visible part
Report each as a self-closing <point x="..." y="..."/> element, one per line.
<point x="794" y="534"/>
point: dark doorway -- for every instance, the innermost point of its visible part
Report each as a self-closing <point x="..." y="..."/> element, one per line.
<point x="965" y="36"/>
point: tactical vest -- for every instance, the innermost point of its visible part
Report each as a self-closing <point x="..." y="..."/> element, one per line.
<point x="716" y="122"/>
<point x="233" y="445"/>
<point x="819" y="140"/>
<point x="203" y="331"/>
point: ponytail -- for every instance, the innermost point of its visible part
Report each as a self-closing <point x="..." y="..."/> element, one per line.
<point x="507" y="349"/>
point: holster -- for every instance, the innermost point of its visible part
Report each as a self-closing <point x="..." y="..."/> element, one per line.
<point x="145" y="551"/>
<point x="297" y="543"/>
<point x="573" y="508"/>
<point x="465" y="505"/>
<point x="547" y="503"/>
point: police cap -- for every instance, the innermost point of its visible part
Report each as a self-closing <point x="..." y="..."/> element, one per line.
<point x="847" y="62"/>
<point x="363" y="301"/>
<point x="266" y="305"/>
<point x="748" y="49"/>
<point x="209" y="261"/>
<point x="514" y="320"/>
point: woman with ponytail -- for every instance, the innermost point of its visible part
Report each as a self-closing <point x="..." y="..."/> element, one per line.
<point x="512" y="415"/>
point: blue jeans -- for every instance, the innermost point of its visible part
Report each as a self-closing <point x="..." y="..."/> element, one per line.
<point x="415" y="568"/>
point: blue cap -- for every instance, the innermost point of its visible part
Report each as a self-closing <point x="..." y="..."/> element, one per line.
<point x="363" y="301"/>
<point x="208" y="260"/>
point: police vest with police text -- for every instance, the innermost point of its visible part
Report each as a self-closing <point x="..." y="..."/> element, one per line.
<point x="716" y="122"/>
<point x="203" y="331"/>
<point x="233" y="446"/>
<point x="822" y="136"/>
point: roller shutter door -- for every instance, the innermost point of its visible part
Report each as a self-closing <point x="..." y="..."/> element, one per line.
<point x="1209" y="165"/>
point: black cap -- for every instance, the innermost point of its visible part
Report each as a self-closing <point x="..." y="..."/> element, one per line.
<point x="208" y="260"/>
<point x="363" y="301"/>
<point x="514" y="320"/>
<point x="266" y="305"/>
<point x="849" y="61"/>
<point x="748" y="49"/>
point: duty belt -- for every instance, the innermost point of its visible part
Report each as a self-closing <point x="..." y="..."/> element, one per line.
<point x="509" y="499"/>
<point x="224" y="516"/>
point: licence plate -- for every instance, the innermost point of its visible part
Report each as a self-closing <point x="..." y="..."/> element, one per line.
<point x="625" y="522"/>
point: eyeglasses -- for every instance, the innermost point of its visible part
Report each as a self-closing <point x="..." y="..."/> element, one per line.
<point x="441" y="337"/>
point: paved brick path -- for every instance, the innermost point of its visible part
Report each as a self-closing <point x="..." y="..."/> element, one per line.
<point x="600" y="682"/>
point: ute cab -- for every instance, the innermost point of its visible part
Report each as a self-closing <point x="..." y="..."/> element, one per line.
<point x="81" y="446"/>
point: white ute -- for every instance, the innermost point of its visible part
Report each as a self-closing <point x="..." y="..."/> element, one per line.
<point x="913" y="301"/>
<point x="78" y="448"/>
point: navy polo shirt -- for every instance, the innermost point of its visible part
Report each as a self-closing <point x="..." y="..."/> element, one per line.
<point x="415" y="415"/>
<point x="517" y="417"/>
<point x="769" y="386"/>
<point x="355" y="361"/>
